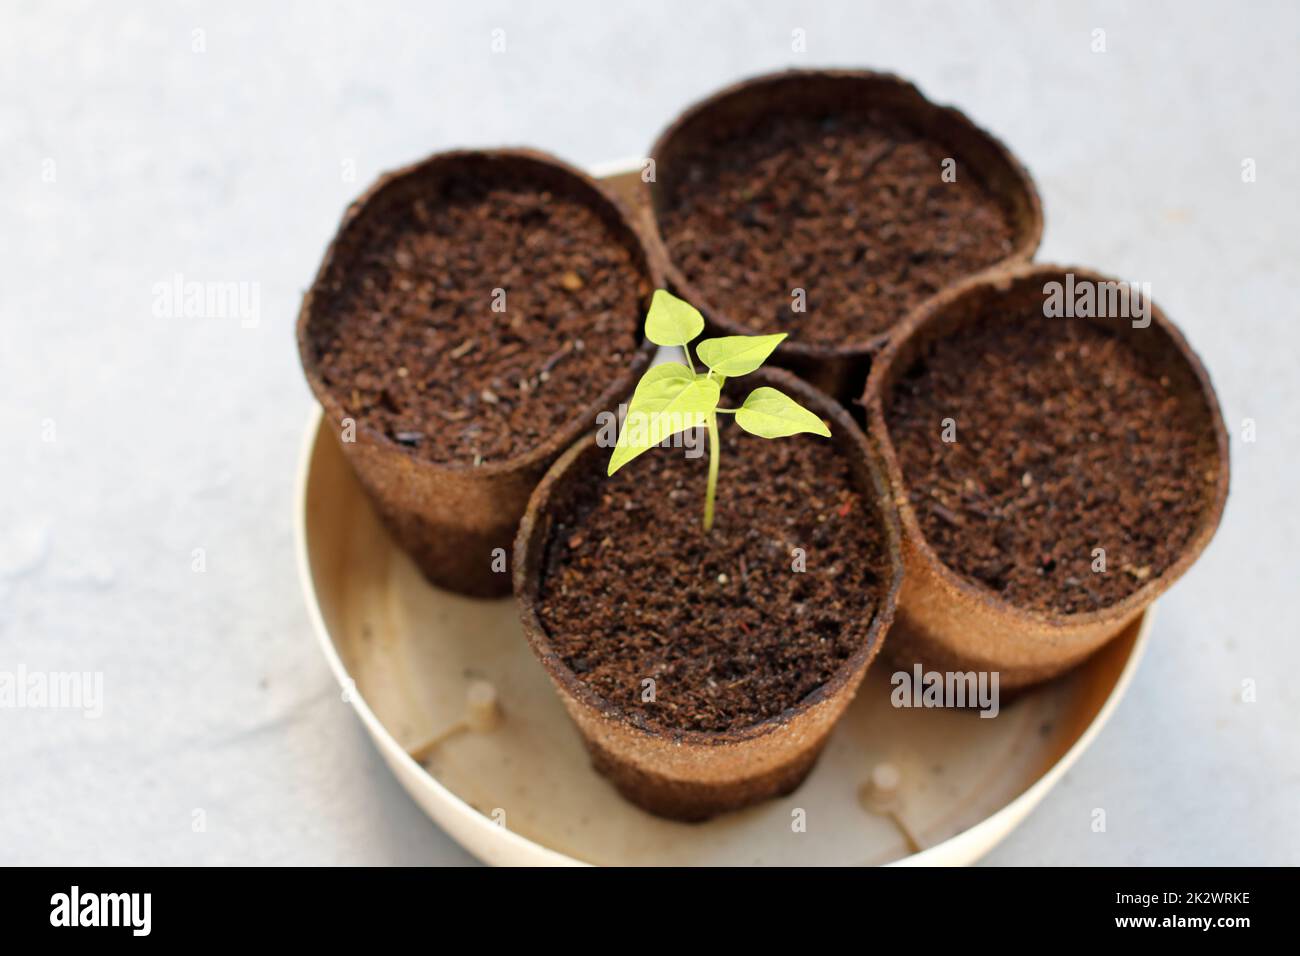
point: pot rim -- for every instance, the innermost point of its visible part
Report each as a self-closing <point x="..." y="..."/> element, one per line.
<point x="527" y="581"/>
<point x="1001" y="281"/>
<point x="1026" y="243"/>
<point x="591" y="192"/>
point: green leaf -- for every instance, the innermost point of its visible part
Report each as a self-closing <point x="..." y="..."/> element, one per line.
<point x="738" y="354"/>
<point x="668" y="399"/>
<point x="672" y="321"/>
<point x="666" y="378"/>
<point x="769" y="413"/>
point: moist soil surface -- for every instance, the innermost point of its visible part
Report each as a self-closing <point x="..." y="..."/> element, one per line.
<point x="1066" y="441"/>
<point x="406" y="335"/>
<point x="634" y="589"/>
<point x="853" y="210"/>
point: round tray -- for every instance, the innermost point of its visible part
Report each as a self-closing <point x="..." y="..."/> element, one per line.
<point x="524" y="792"/>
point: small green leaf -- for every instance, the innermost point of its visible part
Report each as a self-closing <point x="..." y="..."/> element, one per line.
<point x="769" y="413"/>
<point x="666" y="378"/>
<point x="671" y="320"/>
<point x="668" y="399"/>
<point x="737" y="354"/>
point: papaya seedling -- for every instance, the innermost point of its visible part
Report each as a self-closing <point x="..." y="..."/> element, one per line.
<point x="672" y="397"/>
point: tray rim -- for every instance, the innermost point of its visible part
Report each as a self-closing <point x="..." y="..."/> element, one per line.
<point x="493" y="844"/>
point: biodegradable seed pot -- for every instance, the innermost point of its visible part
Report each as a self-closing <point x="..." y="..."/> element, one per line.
<point x="1058" y="459"/>
<point x="446" y="337"/>
<point x="830" y="204"/>
<point x="706" y="668"/>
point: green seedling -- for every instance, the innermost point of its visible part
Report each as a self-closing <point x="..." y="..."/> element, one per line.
<point x="673" y="397"/>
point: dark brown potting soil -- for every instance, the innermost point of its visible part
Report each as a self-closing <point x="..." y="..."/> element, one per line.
<point x="853" y="210"/>
<point x="634" y="589"/>
<point x="1067" y="440"/>
<point x="406" y="335"/>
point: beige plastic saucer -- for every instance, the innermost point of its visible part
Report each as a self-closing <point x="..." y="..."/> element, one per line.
<point x="523" y="792"/>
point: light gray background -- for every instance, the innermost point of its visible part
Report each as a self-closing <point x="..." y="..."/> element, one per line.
<point x="173" y="434"/>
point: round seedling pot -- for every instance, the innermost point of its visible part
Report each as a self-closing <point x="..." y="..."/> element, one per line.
<point x="692" y="774"/>
<point x="837" y="184"/>
<point x="958" y="620"/>
<point x="465" y="295"/>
